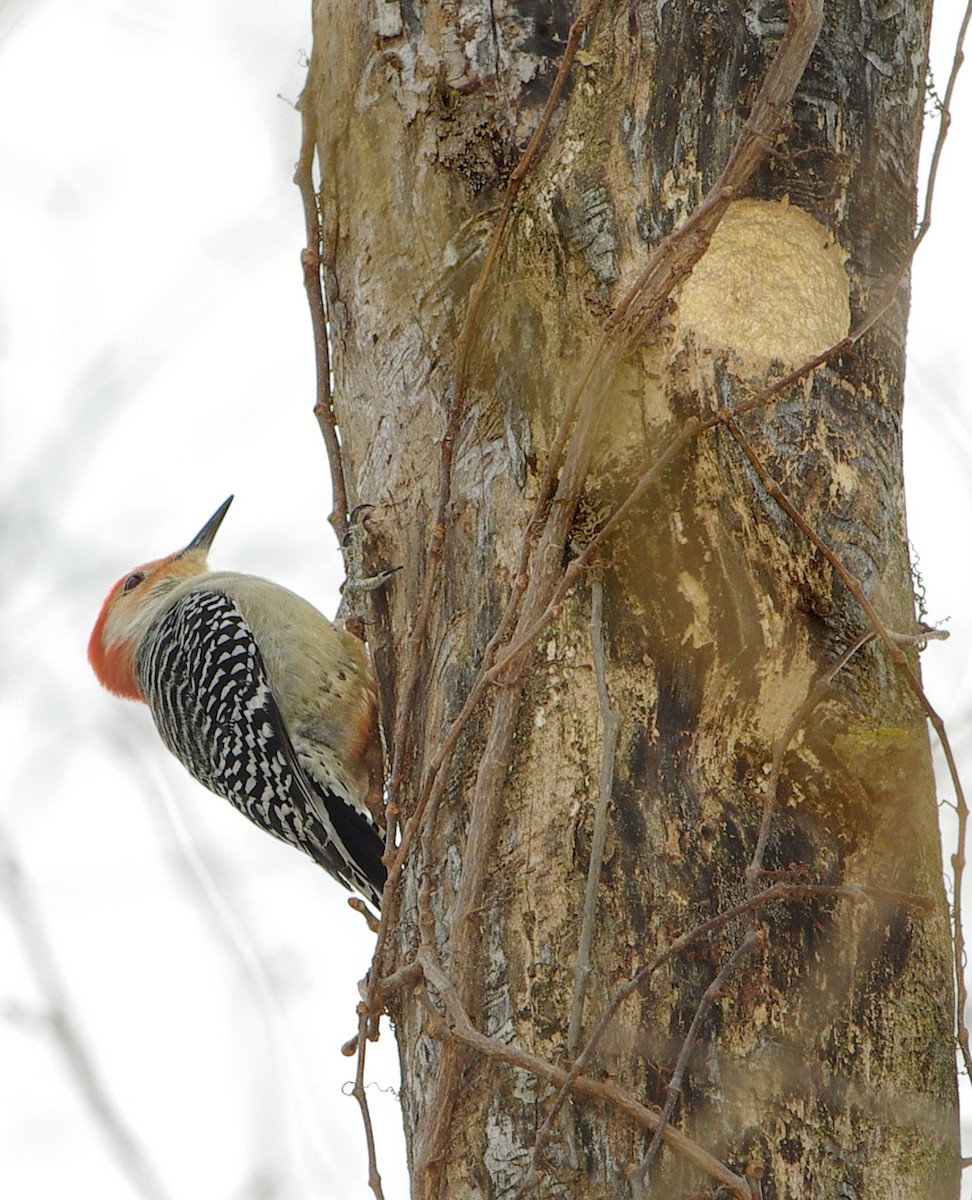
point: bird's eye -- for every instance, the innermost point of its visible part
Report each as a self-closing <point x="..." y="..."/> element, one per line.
<point x="133" y="581"/>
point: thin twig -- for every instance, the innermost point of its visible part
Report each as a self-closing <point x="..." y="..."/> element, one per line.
<point x="526" y="637"/>
<point x="488" y="797"/>
<point x="897" y="655"/>
<point x="774" y="893"/>
<point x="959" y="859"/>
<point x="639" y="1175"/>
<point x="780" y="748"/>
<point x="406" y="975"/>
<point x="959" y="863"/>
<point x="359" y="1093"/>
<point x="958" y="58"/>
<point x="611" y="730"/>
<point x="461" y="1029"/>
<point x="312" y="262"/>
<point x="820" y="689"/>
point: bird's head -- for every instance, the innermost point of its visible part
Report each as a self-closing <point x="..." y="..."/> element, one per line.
<point x="135" y="602"/>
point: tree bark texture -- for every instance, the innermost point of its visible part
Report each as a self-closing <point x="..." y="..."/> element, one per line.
<point x="823" y="1063"/>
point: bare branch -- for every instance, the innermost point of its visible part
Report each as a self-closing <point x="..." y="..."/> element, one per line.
<point x="359" y="1093"/>
<point x="313" y="264"/>
<point x="463" y="929"/>
<point x="639" y="1175"/>
<point x="611" y="731"/>
<point x="958" y="59"/>
<point x="776" y="892"/>
<point x="461" y="1029"/>
<point x="892" y="644"/>
<point x="959" y="860"/>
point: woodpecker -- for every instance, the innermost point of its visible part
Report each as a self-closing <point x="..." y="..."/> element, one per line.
<point x="259" y="696"/>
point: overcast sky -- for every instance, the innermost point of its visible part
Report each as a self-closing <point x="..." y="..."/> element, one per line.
<point x="155" y="355"/>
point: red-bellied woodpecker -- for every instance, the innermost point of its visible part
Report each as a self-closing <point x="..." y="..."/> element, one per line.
<point x="259" y="696"/>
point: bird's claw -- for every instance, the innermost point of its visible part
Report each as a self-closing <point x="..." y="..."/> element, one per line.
<point x="357" y="583"/>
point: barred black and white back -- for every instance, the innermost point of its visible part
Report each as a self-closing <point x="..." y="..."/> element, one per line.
<point x="205" y="681"/>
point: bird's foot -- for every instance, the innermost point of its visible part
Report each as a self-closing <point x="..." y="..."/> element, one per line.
<point x="357" y="583"/>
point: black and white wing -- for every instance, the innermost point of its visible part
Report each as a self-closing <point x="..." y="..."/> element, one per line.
<point x="202" y="674"/>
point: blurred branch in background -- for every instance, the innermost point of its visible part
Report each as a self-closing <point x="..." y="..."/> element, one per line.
<point x="59" y="1020"/>
<point x="203" y="878"/>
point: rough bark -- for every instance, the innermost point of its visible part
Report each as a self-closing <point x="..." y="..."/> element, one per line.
<point x="826" y="1061"/>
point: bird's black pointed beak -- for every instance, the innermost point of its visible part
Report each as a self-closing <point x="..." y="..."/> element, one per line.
<point x="204" y="538"/>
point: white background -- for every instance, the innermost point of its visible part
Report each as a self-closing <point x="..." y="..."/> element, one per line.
<point x="156" y="355"/>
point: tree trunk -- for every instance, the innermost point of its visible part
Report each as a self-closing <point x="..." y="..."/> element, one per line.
<point x="499" y="395"/>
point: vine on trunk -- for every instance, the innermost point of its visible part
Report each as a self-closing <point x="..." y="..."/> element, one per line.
<point x="536" y="596"/>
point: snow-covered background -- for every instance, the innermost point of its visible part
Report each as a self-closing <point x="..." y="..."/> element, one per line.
<point x="155" y="355"/>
